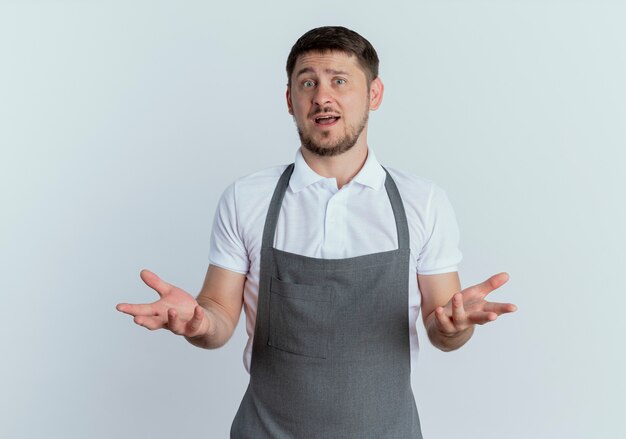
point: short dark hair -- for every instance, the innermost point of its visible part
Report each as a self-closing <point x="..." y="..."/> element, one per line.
<point x="335" y="38"/>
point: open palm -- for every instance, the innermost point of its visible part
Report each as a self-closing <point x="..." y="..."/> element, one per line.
<point x="175" y="310"/>
<point x="469" y="307"/>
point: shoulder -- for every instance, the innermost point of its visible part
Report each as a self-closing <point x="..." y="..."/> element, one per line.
<point x="267" y="176"/>
<point x="424" y="201"/>
<point x="415" y="191"/>
<point x="255" y="185"/>
<point x="246" y="199"/>
<point x="432" y="223"/>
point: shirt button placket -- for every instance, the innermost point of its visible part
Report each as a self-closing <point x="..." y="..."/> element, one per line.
<point x="331" y="227"/>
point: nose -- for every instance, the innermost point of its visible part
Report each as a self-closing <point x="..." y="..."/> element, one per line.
<point x="323" y="95"/>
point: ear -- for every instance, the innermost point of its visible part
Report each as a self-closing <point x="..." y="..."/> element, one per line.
<point x="288" y="97"/>
<point x="377" y="89"/>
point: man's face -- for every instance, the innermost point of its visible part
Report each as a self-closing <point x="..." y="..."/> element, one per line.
<point x="330" y="100"/>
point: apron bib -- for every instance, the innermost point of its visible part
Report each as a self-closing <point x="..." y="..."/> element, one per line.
<point x="330" y="356"/>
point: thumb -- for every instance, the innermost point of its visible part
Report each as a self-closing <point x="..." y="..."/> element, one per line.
<point x="200" y="322"/>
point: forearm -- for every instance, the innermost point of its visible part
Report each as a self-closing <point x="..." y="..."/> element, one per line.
<point x="219" y="329"/>
<point x="444" y="341"/>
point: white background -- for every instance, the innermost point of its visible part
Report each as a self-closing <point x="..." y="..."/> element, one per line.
<point x="122" y="122"/>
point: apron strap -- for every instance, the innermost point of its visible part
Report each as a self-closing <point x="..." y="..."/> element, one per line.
<point x="271" y="219"/>
<point x="402" y="225"/>
<point x="272" y="214"/>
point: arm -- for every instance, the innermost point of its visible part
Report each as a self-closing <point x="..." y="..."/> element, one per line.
<point x="437" y="290"/>
<point x="221" y="297"/>
<point x="207" y="322"/>
<point x="450" y="314"/>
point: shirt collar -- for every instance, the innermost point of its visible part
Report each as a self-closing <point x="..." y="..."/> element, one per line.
<point x="371" y="174"/>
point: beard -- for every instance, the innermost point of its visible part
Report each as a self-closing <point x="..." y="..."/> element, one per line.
<point x="340" y="146"/>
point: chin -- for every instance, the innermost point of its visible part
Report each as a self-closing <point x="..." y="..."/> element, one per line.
<point x="328" y="150"/>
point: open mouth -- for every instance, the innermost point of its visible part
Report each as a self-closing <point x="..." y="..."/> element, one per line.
<point x="326" y="120"/>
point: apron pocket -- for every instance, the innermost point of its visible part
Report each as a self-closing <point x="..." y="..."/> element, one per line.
<point x="299" y="317"/>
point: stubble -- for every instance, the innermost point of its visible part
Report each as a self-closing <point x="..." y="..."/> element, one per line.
<point x="340" y="146"/>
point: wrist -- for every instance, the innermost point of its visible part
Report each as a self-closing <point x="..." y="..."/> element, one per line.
<point x="452" y="335"/>
<point x="445" y="340"/>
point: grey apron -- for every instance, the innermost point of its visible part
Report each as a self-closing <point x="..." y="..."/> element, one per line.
<point x="330" y="357"/>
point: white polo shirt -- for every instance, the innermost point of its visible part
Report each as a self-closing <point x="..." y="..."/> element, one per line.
<point x="318" y="220"/>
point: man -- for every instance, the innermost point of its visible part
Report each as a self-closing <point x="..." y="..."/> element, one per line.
<point x="332" y="258"/>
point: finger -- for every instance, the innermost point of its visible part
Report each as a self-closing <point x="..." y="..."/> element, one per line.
<point x="481" y="317"/>
<point x="155" y="282"/>
<point x="458" y="311"/>
<point x="443" y="321"/>
<point x="174" y="322"/>
<point x="494" y="282"/>
<point x="194" y="325"/>
<point x="137" y="310"/>
<point x="150" y="323"/>
<point x="499" y="308"/>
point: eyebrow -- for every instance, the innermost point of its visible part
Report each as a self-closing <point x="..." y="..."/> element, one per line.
<point x="330" y="71"/>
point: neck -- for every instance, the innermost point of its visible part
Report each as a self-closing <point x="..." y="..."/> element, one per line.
<point x="342" y="167"/>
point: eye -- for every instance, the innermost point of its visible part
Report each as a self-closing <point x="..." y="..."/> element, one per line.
<point x="340" y="81"/>
<point x="308" y="84"/>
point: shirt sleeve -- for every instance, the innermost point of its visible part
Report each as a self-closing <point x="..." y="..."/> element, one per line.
<point x="440" y="253"/>
<point x="227" y="249"/>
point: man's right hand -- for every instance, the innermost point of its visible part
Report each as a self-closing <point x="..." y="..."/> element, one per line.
<point x="175" y="310"/>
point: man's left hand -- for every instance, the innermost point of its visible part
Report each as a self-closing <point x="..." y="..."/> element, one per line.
<point x="469" y="307"/>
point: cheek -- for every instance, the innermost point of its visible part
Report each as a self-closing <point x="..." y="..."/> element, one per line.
<point x="299" y="114"/>
<point x="357" y="105"/>
<point x="298" y="107"/>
